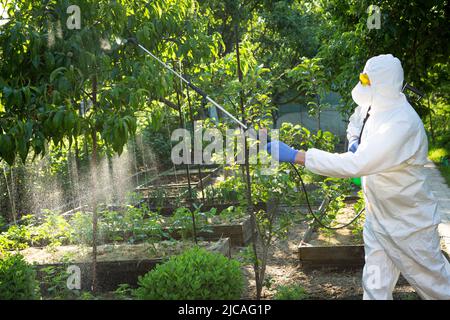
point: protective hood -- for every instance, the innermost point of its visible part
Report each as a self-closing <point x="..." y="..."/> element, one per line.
<point x="386" y="80"/>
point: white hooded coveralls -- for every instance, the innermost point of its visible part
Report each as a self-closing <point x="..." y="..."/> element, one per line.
<point x="400" y="232"/>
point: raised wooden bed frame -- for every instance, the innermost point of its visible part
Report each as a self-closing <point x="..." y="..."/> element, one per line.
<point x="110" y="274"/>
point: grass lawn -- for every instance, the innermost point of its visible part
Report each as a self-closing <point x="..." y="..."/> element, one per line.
<point x="437" y="155"/>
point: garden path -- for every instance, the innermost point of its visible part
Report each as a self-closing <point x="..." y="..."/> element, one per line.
<point x="442" y="194"/>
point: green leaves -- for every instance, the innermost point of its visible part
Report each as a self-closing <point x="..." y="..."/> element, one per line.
<point x="156" y="119"/>
<point x="16" y="141"/>
<point x="196" y="274"/>
<point x="47" y="71"/>
<point x="7" y="148"/>
<point x="117" y="130"/>
<point x="143" y="36"/>
<point x="57" y="72"/>
<point x="60" y="123"/>
<point x="17" y="279"/>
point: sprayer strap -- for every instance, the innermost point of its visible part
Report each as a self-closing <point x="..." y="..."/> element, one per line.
<point x="364" y="124"/>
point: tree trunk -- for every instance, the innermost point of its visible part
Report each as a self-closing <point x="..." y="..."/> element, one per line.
<point x="114" y="196"/>
<point x="188" y="172"/>
<point x="77" y="172"/>
<point x="10" y="195"/>
<point x="431" y="120"/>
<point x="94" y="211"/>
<point x="318" y="112"/>
<point x="94" y="190"/>
<point x="256" y="269"/>
<point x="135" y="160"/>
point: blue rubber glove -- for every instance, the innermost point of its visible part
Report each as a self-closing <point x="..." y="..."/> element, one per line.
<point x="285" y="153"/>
<point x="353" y="146"/>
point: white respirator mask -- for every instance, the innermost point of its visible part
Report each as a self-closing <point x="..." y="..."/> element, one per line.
<point x="362" y="93"/>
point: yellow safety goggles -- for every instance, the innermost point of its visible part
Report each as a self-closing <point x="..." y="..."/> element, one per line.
<point x="364" y="79"/>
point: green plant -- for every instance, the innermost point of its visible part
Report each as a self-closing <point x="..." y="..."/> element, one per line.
<point x="312" y="81"/>
<point x="133" y="198"/>
<point x="181" y="221"/>
<point x="81" y="223"/>
<point x="232" y="213"/>
<point x="272" y="190"/>
<point x="17" y="279"/>
<point x="195" y="274"/>
<point x="87" y="295"/>
<point x="159" y="144"/>
<point x="158" y="197"/>
<point x="409" y="296"/>
<point x="142" y="224"/>
<point x="246" y="255"/>
<point x="131" y="224"/>
<point x="335" y="189"/>
<point x="268" y="282"/>
<point x="290" y="292"/>
<point x="440" y="156"/>
<point x="358" y="225"/>
<point x="55" y="230"/>
<point x="300" y="137"/>
<point x="5" y="245"/>
<point x="112" y="225"/>
<point x="55" y="283"/>
<point x="279" y="185"/>
<point x="123" y="292"/>
<point x="17" y="237"/>
<point x="230" y="189"/>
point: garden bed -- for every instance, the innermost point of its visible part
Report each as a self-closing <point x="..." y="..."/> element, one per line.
<point x="342" y="248"/>
<point x="117" y="264"/>
<point x="168" y="210"/>
<point x="344" y="256"/>
<point x="175" y="179"/>
<point x="128" y="224"/>
<point x="239" y="233"/>
<point x="173" y="186"/>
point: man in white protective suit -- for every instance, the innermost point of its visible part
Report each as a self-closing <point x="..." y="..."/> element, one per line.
<point x="388" y="148"/>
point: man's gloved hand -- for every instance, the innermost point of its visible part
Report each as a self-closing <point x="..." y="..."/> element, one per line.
<point x="285" y="153"/>
<point x="353" y="146"/>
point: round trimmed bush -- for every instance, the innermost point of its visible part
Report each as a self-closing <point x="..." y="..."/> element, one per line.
<point x="196" y="274"/>
<point x="17" y="279"/>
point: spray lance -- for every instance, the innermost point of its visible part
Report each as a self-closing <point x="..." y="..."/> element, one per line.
<point x="187" y="82"/>
<point x="241" y="125"/>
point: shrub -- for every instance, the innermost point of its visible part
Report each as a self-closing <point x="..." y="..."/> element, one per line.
<point x="55" y="230"/>
<point x="17" y="237"/>
<point x="290" y="292"/>
<point x="54" y="281"/>
<point x="195" y="274"/>
<point x="17" y="279"/>
<point x="231" y="189"/>
<point x="81" y="226"/>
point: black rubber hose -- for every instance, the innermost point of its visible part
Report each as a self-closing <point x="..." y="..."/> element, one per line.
<point x="312" y="212"/>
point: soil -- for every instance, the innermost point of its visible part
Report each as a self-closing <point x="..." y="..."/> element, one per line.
<point x="345" y="236"/>
<point x="283" y="268"/>
<point x="110" y="252"/>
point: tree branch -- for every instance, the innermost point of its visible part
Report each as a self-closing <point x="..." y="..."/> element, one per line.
<point x="169" y="103"/>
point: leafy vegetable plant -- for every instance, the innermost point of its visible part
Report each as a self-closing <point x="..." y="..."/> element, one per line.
<point x="17" y="279"/>
<point x="196" y="274"/>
